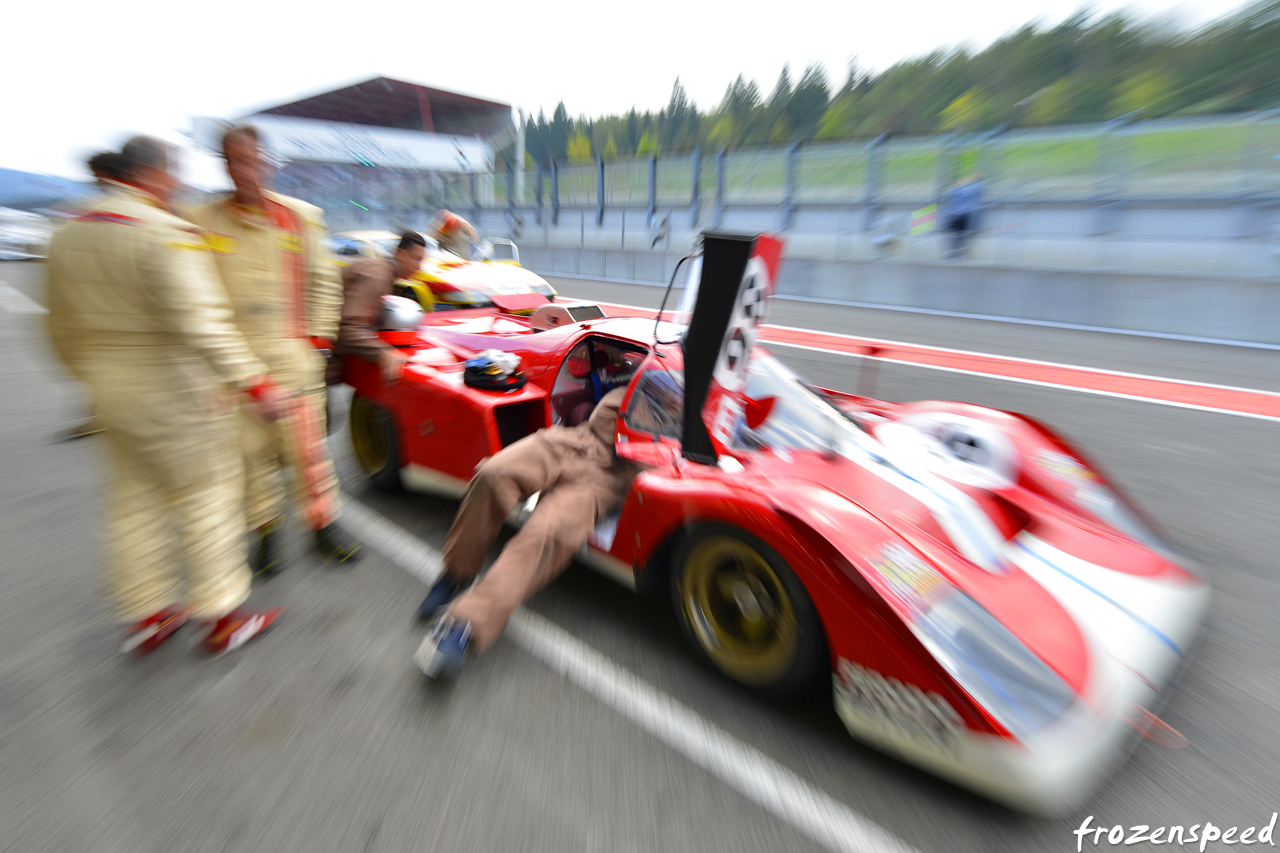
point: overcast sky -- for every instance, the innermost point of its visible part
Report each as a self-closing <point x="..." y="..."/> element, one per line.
<point x="79" y="76"/>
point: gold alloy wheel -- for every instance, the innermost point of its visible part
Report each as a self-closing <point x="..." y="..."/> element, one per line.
<point x="367" y="437"/>
<point x="739" y="610"/>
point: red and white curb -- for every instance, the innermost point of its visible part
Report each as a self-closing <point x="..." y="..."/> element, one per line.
<point x="1223" y="399"/>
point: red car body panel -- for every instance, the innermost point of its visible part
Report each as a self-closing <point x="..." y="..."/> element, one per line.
<point x="826" y="515"/>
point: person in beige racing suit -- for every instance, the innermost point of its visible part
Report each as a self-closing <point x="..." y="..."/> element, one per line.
<point x="105" y="168"/>
<point x="136" y="313"/>
<point x="286" y="293"/>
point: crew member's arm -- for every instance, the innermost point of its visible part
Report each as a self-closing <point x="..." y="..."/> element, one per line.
<point x="59" y="298"/>
<point x="363" y="285"/>
<point x="324" y="289"/>
<point x="180" y="275"/>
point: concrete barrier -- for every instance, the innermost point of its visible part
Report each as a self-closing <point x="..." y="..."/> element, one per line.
<point x="1240" y="309"/>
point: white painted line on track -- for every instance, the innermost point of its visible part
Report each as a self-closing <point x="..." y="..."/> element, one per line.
<point x="745" y="769"/>
<point x="18" y="303"/>
<point x="396" y="544"/>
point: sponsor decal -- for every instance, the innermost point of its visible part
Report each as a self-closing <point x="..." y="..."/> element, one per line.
<point x="924" y="220"/>
<point x="912" y="580"/>
<point x="1088" y="488"/>
<point x="728" y="413"/>
<point x="290" y="243"/>
<point x="507" y="289"/>
<point x="863" y="692"/>
<point x="222" y="244"/>
<point x="196" y="245"/>
<point x="1062" y="467"/>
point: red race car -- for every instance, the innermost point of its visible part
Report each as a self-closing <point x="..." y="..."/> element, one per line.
<point x="984" y="604"/>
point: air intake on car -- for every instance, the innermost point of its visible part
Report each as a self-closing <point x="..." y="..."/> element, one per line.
<point x="562" y="313"/>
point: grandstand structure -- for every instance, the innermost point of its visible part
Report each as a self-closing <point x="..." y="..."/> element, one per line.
<point x="382" y="152"/>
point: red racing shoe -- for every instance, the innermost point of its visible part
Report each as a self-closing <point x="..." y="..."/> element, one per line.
<point x="146" y="635"/>
<point x="237" y="628"/>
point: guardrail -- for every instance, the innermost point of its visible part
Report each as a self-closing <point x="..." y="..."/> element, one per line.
<point x="1210" y="158"/>
<point x="1161" y="195"/>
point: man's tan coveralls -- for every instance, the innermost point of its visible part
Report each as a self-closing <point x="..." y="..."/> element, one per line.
<point x="137" y="313"/>
<point x="581" y="479"/>
<point x="284" y="290"/>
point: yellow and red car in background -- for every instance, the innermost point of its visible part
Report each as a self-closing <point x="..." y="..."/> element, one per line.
<point x="493" y="277"/>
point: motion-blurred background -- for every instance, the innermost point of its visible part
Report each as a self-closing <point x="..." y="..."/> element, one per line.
<point x="1138" y="148"/>
<point x="1116" y="169"/>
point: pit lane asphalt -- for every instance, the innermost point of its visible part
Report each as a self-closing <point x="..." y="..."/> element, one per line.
<point x="324" y="737"/>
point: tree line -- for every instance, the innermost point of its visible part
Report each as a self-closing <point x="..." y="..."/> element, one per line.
<point x="1087" y="69"/>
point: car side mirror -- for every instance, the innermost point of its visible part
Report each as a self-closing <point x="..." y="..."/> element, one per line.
<point x="758" y="411"/>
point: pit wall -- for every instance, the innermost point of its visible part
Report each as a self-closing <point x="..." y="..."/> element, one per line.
<point x="1225" y="287"/>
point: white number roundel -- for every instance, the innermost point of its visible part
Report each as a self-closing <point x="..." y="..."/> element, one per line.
<point x="744" y="323"/>
<point x="753" y="299"/>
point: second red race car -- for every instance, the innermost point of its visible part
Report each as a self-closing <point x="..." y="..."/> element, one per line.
<point x="979" y="599"/>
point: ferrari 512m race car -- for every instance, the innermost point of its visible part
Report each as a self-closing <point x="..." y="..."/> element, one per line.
<point x="984" y="604"/>
<point x="491" y="278"/>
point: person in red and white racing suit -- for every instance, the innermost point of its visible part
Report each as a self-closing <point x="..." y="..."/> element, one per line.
<point x="453" y="233"/>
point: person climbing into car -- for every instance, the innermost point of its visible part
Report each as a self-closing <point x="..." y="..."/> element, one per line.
<point x="364" y="283"/>
<point x="581" y="480"/>
<point x="453" y="233"/>
<point x="286" y="293"/>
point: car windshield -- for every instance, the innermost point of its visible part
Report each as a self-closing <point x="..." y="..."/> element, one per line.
<point x="343" y="246"/>
<point x="801" y="418"/>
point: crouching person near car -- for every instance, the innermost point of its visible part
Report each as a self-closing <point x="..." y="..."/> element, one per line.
<point x="364" y="283"/>
<point x="137" y="313"/>
<point x="581" y="480"/>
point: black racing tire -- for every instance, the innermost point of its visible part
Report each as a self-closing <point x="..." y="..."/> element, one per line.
<point x="747" y="614"/>
<point x="375" y="443"/>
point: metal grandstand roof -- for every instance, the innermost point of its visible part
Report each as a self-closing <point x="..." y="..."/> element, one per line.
<point x="385" y="102"/>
